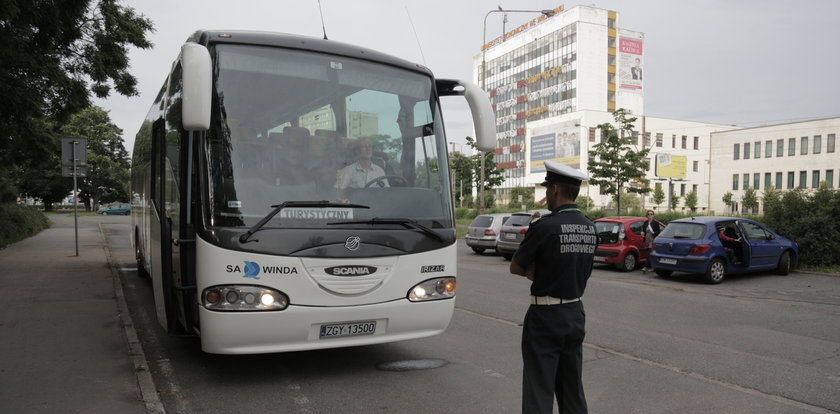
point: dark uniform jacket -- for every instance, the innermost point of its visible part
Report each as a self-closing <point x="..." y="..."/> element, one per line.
<point x="562" y="244"/>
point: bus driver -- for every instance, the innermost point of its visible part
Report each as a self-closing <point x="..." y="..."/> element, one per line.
<point x="363" y="171"/>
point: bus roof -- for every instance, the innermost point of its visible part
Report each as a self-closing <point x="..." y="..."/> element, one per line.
<point x="285" y="40"/>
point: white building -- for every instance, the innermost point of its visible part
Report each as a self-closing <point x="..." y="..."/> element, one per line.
<point x="679" y="153"/>
<point x="784" y="157"/>
<point x="576" y="60"/>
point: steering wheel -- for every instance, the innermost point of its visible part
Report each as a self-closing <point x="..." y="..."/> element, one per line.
<point x="398" y="181"/>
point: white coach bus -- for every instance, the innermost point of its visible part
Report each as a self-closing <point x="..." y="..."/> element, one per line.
<point x="293" y="193"/>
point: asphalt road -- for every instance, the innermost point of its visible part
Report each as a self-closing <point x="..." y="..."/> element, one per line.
<point x="755" y="344"/>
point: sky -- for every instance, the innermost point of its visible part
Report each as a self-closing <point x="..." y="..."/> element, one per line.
<point x="747" y="62"/>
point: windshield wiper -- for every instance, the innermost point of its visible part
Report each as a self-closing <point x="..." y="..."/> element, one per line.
<point x="407" y="223"/>
<point x="277" y="208"/>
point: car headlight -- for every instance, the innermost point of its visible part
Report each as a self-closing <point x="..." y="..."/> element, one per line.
<point x="244" y="298"/>
<point x="433" y="289"/>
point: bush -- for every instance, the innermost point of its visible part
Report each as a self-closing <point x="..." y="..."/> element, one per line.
<point x="18" y="222"/>
<point x="808" y="219"/>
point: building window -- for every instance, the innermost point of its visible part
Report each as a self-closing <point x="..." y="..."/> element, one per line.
<point x="830" y="144"/>
<point x="694" y="166"/>
<point x="756" y="181"/>
<point x="746" y="150"/>
<point x="817" y="144"/>
<point x="768" y="183"/>
<point x="804" y="146"/>
<point x="635" y="137"/>
<point x="682" y="190"/>
<point x="694" y="188"/>
<point x="790" y="180"/>
<point x="778" y="181"/>
<point x="780" y="147"/>
<point x="646" y="140"/>
<point x="791" y="147"/>
<point x="658" y="140"/>
<point x="734" y="181"/>
<point x="829" y="178"/>
<point x="737" y="151"/>
<point x="684" y="142"/>
<point x="815" y="179"/>
<point x="768" y="149"/>
<point x="674" y="142"/>
<point x="757" y="153"/>
<point x="696" y="142"/>
<point x="746" y="181"/>
<point x="803" y="179"/>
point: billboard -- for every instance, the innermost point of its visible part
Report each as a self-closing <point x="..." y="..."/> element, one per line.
<point x="630" y="64"/>
<point x="671" y="166"/>
<point x="559" y="142"/>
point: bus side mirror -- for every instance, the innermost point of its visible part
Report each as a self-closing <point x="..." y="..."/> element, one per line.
<point x="484" y="120"/>
<point x="197" y="87"/>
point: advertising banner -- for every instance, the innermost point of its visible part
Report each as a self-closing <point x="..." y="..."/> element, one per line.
<point x="671" y="166"/>
<point x="558" y="142"/>
<point x="630" y="64"/>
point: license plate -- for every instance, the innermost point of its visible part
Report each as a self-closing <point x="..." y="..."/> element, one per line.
<point x="510" y="235"/>
<point x="348" y="329"/>
<point x="600" y="259"/>
<point x="668" y="261"/>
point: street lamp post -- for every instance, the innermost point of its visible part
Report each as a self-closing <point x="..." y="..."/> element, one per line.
<point x="482" y="155"/>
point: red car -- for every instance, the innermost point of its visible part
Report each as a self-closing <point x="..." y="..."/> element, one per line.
<point x="621" y="242"/>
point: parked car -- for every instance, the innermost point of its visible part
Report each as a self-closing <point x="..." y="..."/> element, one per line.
<point x="692" y="245"/>
<point x="484" y="230"/>
<point x="513" y="232"/>
<point x="621" y="242"/>
<point x="122" y="209"/>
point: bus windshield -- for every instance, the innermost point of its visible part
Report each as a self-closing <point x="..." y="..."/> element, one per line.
<point x="293" y="126"/>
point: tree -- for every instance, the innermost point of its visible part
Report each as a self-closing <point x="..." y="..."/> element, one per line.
<point x="462" y="169"/>
<point x="492" y="175"/>
<point x="107" y="159"/>
<point x="750" y="202"/>
<point x="53" y="57"/>
<point x="658" y="195"/>
<point x="675" y="200"/>
<point x="691" y="200"/>
<point x="585" y="202"/>
<point x="613" y="164"/>
<point x="727" y="199"/>
<point x="629" y="201"/>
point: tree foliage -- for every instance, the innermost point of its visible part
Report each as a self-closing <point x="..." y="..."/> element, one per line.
<point x="658" y="195"/>
<point x="690" y="200"/>
<point x="527" y="194"/>
<point x="750" y="201"/>
<point x="727" y="199"/>
<point x="810" y="219"/>
<point x="107" y="159"/>
<point x="54" y="56"/>
<point x="492" y="176"/>
<point x="614" y="165"/>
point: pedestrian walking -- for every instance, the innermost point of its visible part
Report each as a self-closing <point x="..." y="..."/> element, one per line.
<point x="556" y="255"/>
<point x="651" y="229"/>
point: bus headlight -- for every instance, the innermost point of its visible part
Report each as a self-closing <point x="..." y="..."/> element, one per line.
<point x="244" y="298"/>
<point x="433" y="289"/>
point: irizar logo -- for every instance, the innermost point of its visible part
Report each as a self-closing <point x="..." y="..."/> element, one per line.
<point x="350" y="270"/>
<point x="252" y="270"/>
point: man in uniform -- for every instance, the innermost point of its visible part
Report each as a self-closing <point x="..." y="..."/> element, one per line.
<point x="556" y="255"/>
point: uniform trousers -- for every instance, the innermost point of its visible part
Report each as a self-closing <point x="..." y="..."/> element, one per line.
<point x="552" y="356"/>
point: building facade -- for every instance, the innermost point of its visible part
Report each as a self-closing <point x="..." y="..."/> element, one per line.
<point x="579" y="59"/>
<point x="782" y="157"/>
<point x="679" y="154"/>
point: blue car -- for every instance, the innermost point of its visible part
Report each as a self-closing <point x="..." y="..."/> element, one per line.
<point x="719" y="246"/>
<point x="122" y="209"/>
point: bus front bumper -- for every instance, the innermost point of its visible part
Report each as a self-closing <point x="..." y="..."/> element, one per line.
<point x="299" y="328"/>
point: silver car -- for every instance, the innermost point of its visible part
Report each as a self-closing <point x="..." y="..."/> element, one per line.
<point x="513" y="231"/>
<point x="483" y="231"/>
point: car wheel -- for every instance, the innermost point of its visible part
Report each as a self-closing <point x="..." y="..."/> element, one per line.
<point x="628" y="264"/>
<point x="716" y="271"/>
<point x="784" y="264"/>
<point x="478" y="250"/>
<point x="507" y="256"/>
<point x="663" y="273"/>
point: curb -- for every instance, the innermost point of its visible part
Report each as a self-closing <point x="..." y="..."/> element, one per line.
<point x="146" y="383"/>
